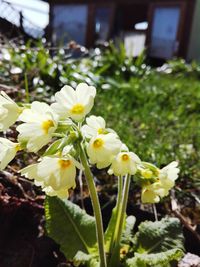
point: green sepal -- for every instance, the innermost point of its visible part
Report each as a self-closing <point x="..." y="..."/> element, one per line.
<point x="53" y="148"/>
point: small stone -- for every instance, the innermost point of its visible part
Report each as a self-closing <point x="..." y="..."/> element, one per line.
<point x="190" y="260"/>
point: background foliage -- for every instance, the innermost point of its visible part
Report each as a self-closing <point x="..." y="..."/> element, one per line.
<point x="155" y="111"/>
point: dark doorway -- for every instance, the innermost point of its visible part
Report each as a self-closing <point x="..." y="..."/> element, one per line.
<point x="131" y="23"/>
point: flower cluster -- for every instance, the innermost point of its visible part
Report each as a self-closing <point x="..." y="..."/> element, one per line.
<point x="61" y="125"/>
<point x="156" y="183"/>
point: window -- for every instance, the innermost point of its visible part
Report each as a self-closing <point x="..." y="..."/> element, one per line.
<point x="102" y="23"/>
<point x="164" y="32"/>
<point x="70" y="23"/>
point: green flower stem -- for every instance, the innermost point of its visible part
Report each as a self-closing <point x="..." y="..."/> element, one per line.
<point x="26" y="88"/>
<point x="121" y="216"/>
<point x="96" y="208"/>
<point x="120" y="190"/>
<point x="124" y="206"/>
<point x="118" y="212"/>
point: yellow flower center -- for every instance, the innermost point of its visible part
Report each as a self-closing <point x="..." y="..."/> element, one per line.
<point x="77" y="109"/>
<point x="64" y="163"/>
<point x="124" y="250"/>
<point x="98" y="143"/>
<point x="18" y="147"/>
<point x="46" y="125"/>
<point x="125" y="157"/>
<point x="147" y="174"/>
<point x="100" y="131"/>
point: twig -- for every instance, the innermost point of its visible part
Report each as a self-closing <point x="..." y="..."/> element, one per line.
<point x="14" y="181"/>
<point x="176" y="212"/>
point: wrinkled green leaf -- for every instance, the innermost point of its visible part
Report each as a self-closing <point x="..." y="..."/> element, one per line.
<point x="82" y="258"/>
<point x="69" y="226"/>
<point x="161" y="259"/>
<point x="127" y="234"/>
<point x="159" y="236"/>
<point x="157" y="243"/>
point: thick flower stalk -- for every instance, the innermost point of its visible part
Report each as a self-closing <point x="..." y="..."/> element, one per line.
<point x="96" y="208"/>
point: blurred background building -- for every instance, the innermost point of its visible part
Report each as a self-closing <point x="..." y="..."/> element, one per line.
<point x="168" y="28"/>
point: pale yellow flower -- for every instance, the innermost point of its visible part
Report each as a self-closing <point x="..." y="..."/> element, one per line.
<point x="165" y="180"/>
<point x="56" y="175"/>
<point x="124" y="163"/>
<point x="103" y="148"/>
<point x="148" y="171"/>
<point x="95" y="125"/>
<point x="9" y="111"/>
<point x="8" y="151"/>
<point x="74" y="103"/>
<point x="168" y="175"/>
<point x="40" y="123"/>
<point x="150" y="194"/>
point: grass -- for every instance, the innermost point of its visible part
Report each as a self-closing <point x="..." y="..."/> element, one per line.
<point x="158" y="117"/>
<point x="157" y="114"/>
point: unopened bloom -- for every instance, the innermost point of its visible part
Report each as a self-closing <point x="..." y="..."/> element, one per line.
<point x="8" y="151"/>
<point x="124" y="163"/>
<point x="103" y="148"/>
<point x="56" y="175"/>
<point x="9" y="111"/>
<point x="40" y="123"/>
<point x="95" y="125"/>
<point x="74" y="103"/>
